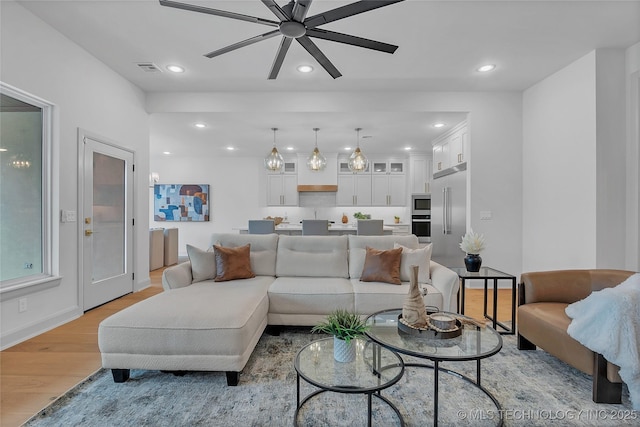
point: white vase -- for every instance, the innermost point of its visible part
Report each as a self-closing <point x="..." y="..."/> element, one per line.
<point x="344" y="351"/>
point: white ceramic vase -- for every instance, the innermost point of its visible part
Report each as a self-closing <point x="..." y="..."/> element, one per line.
<point x="344" y="351"/>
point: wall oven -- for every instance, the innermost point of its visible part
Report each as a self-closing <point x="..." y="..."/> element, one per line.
<point x="421" y="217"/>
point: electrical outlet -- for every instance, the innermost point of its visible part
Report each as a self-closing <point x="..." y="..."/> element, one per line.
<point x="486" y="215"/>
<point x="22" y="305"/>
<point x="28" y="266"/>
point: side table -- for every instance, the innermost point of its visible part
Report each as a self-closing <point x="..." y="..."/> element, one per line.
<point x="486" y="274"/>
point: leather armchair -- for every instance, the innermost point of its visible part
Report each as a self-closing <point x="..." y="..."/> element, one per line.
<point x="542" y="299"/>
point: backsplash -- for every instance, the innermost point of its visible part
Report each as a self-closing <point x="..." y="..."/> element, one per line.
<point x="296" y="214"/>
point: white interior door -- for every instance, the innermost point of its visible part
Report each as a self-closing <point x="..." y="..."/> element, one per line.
<point x="107" y="222"/>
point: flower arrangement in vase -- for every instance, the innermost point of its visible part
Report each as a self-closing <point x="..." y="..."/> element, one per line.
<point x="345" y="327"/>
<point x="472" y="244"/>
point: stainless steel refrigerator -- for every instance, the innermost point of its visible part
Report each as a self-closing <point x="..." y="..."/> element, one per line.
<point x="449" y="215"/>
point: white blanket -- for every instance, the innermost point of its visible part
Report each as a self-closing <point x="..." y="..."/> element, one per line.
<point x="608" y="322"/>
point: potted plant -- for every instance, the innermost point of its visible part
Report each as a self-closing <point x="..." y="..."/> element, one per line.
<point x="396" y="219"/>
<point x="472" y="243"/>
<point x="344" y="326"/>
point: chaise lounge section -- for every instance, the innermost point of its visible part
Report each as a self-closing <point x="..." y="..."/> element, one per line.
<point x="199" y="324"/>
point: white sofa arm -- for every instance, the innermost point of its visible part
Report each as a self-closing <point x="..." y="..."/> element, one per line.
<point x="448" y="283"/>
<point x="177" y="276"/>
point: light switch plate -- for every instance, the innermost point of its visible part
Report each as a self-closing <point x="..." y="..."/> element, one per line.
<point x="486" y="215"/>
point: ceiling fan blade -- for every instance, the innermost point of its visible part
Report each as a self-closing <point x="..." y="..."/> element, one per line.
<point x="243" y="43"/>
<point x="346" y="11"/>
<point x="352" y="40"/>
<point x="277" y="62"/>
<point x="277" y="10"/>
<point x="300" y="10"/>
<point x="319" y="56"/>
<point x="223" y="13"/>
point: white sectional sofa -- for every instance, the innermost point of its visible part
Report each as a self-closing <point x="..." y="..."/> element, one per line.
<point x="214" y="326"/>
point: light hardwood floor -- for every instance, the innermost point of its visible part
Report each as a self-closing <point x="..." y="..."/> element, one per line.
<point x="39" y="370"/>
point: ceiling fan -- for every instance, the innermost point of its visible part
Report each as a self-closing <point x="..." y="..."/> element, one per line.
<point x="293" y="24"/>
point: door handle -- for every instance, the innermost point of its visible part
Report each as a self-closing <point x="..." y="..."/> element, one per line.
<point x="88" y="232"/>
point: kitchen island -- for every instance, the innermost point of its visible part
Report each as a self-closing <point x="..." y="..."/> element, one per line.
<point x="334" y="229"/>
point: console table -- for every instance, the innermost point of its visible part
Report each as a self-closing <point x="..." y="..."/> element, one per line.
<point x="486" y="274"/>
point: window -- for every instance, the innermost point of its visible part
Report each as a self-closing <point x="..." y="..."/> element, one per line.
<point x="26" y="212"/>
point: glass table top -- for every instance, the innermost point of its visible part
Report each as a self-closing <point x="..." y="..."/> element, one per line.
<point x="484" y="273"/>
<point x="474" y="343"/>
<point x="315" y="363"/>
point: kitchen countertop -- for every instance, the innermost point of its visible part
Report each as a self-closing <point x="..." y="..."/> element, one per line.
<point x="333" y="228"/>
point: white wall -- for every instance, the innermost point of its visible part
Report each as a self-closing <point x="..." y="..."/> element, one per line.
<point x="496" y="142"/>
<point x="573" y="166"/>
<point x="88" y="95"/>
<point x="632" y="73"/>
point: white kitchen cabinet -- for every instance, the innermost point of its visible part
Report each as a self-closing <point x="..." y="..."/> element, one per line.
<point x="388" y="167"/>
<point x="354" y="189"/>
<point x="389" y="190"/>
<point x="451" y="148"/>
<point x="343" y="167"/>
<point x="282" y="190"/>
<point x="420" y="173"/>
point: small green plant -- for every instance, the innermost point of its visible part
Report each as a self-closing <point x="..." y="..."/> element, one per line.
<point x="360" y="215"/>
<point x="396" y="218"/>
<point x="342" y="324"/>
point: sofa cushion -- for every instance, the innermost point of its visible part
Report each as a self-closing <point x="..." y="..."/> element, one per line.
<point x="410" y="257"/>
<point x="203" y="264"/>
<point x="263" y="249"/>
<point x="310" y="295"/>
<point x="370" y="297"/>
<point x="233" y="263"/>
<point x="358" y="245"/>
<point x="312" y="256"/>
<point x="382" y="266"/>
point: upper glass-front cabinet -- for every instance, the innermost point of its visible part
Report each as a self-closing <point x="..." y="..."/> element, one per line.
<point x="388" y="167"/>
<point x="343" y="166"/>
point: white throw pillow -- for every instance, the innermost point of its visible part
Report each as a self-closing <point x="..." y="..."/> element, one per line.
<point x="203" y="264"/>
<point x="420" y="257"/>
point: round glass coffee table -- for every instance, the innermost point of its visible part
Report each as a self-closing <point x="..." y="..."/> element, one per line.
<point x="474" y="343"/>
<point x="374" y="369"/>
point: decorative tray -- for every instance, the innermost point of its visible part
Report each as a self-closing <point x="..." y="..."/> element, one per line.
<point x="434" y="332"/>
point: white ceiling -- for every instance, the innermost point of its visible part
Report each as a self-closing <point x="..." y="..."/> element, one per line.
<point x="441" y="43"/>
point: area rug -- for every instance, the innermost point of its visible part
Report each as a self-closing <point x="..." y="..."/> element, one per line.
<point x="533" y="388"/>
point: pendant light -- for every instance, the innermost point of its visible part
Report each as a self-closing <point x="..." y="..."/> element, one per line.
<point x="358" y="162"/>
<point x="274" y="160"/>
<point x="316" y="161"/>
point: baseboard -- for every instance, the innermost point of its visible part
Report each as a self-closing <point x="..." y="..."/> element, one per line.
<point x="41" y="326"/>
<point x="143" y="284"/>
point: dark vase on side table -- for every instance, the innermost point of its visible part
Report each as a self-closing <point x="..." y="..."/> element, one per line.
<point x="473" y="262"/>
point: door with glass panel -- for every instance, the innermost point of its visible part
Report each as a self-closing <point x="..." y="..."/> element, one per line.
<point x="107" y="222"/>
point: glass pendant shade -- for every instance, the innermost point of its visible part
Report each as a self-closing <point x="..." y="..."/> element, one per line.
<point x="316" y="161"/>
<point x="358" y="162"/>
<point x="274" y="160"/>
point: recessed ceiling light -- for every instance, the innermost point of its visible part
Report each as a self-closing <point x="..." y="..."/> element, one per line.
<point x="407" y="148"/>
<point x="230" y="148"/>
<point x="166" y="153"/>
<point x="438" y="125"/>
<point x="175" y="68"/>
<point x="486" y="68"/>
<point x="290" y="148"/>
<point x="3" y="149"/>
<point x="305" y="68"/>
<point x="200" y="125"/>
<point x="347" y="148"/>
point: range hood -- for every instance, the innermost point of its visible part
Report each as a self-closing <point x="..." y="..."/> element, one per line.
<point x="317" y="188"/>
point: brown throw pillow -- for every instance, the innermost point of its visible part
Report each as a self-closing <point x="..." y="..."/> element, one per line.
<point x="382" y="266"/>
<point x="233" y="263"/>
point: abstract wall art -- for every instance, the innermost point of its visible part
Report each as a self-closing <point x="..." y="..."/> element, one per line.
<point x="181" y="202"/>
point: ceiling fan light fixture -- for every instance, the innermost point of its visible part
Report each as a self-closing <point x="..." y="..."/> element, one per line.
<point x="316" y="161"/>
<point x="274" y="160"/>
<point x="358" y="162"/>
<point x="304" y="68"/>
